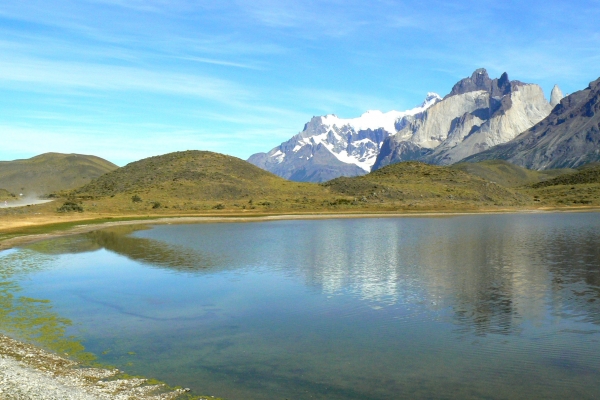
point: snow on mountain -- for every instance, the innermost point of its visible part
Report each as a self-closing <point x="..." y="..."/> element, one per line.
<point x="330" y="146"/>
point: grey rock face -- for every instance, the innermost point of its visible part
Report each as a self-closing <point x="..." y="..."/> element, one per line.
<point x="480" y="80"/>
<point x="478" y="114"/>
<point x="556" y="96"/>
<point x="569" y="137"/>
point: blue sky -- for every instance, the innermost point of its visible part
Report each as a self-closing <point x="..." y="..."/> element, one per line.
<point x="128" y="79"/>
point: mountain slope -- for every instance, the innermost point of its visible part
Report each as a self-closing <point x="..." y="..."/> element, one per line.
<point x="479" y="113"/>
<point x="51" y="172"/>
<point x="569" y="137"/>
<point x="330" y="146"/>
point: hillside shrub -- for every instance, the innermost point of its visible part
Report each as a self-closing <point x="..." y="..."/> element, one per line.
<point x="70" y="206"/>
<point x="136" y="199"/>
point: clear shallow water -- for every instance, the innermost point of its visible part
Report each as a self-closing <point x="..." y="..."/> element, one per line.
<point x="499" y="306"/>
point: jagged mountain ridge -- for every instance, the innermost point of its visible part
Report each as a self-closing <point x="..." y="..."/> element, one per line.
<point x="329" y="146"/>
<point x="568" y="138"/>
<point x="479" y="113"/>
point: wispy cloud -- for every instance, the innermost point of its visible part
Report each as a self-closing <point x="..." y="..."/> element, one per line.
<point x="221" y="62"/>
<point x="116" y="78"/>
<point x="353" y="103"/>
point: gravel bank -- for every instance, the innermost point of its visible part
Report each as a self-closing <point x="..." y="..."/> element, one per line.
<point x="29" y="373"/>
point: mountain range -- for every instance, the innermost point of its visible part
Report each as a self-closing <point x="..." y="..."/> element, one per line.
<point x="330" y="146"/>
<point x="474" y="121"/>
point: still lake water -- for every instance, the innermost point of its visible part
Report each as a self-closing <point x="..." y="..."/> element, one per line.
<point x="483" y="306"/>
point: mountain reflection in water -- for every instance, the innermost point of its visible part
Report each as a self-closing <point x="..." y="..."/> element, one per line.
<point x="491" y="277"/>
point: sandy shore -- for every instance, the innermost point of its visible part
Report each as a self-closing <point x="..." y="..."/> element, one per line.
<point x="27" y="372"/>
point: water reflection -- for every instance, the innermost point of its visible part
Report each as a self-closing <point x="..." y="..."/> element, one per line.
<point x="500" y="306"/>
<point x="119" y="240"/>
<point x="152" y="252"/>
<point x="491" y="271"/>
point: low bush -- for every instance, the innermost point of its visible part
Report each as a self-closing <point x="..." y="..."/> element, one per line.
<point x="70" y="206"/>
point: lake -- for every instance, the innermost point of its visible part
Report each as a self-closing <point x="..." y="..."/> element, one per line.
<point x="476" y="306"/>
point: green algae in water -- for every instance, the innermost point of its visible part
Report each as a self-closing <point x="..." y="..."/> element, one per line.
<point x="34" y="320"/>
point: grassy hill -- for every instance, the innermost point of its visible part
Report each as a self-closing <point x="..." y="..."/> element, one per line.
<point x="507" y="174"/>
<point x="423" y="185"/>
<point x="203" y="181"/>
<point x="579" y="188"/>
<point x="51" y="172"/>
<point x="585" y="175"/>
<point x="192" y="180"/>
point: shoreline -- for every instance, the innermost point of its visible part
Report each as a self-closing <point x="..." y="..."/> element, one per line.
<point x="29" y="372"/>
<point x="86" y="225"/>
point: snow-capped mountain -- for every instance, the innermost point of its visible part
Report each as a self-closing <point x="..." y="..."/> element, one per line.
<point x="329" y="146"/>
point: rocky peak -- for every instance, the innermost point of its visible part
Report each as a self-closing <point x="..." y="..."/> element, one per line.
<point x="556" y="96"/>
<point x="480" y="80"/>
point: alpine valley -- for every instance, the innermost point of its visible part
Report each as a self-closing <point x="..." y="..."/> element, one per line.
<point x="478" y="114"/>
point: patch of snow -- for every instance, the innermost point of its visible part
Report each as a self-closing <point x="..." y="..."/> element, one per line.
<point x="278" y="156"/>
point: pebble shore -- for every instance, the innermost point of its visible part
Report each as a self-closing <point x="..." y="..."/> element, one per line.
<point x="30" y="373"/>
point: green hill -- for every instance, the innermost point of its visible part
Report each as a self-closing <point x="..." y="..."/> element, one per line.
<point x="192" y="180"/>
<point x="507" y="174"/>
<point x="51" y="172"/>
<point x="427" y="185"/>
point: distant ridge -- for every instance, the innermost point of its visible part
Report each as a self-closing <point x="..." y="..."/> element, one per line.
<point x="51" y="172"/>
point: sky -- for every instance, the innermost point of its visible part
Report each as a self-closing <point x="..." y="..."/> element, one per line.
<point x="129" y="79"/>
